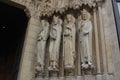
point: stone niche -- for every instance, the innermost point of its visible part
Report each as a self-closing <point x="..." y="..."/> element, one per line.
<point x="69" y="41"/>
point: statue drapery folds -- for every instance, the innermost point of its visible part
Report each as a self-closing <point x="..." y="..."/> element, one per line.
<point x="41" y="44"/>
<point x="85" y="33"/>
<point x="69" y="36"/>
<point x="55" y="38"/>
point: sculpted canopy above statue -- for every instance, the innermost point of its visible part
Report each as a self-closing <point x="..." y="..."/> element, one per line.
<point x="48" y="7"/>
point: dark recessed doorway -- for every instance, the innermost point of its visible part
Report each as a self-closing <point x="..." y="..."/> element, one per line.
<point x="13" y="24"/>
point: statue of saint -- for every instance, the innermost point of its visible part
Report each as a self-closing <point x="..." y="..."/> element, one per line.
<point x="55" y="39"/>
<point x="85" y="35"/>
<point x="41" y="45"/>
<point x="69" y="37"/>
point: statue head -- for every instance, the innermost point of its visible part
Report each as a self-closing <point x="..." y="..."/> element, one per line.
<point x="79" y="17"/>
<point x="55" y="19"/>
<point x="44" y="23"/>
<point x="85" y="14"/>
<point x="70" y="18"/>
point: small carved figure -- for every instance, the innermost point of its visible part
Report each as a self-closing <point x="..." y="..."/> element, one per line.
<point x="86" y="40"/>
<point x="69" y="36"/>
<point x="55" y="38"/>
<point x="41" y="45"/>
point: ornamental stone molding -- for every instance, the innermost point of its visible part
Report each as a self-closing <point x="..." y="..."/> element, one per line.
<point x="38" y="8"/>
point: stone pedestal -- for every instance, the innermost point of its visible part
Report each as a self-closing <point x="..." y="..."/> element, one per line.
<point x="106" y="77"/>
<point x="79" y="78"/>
<point x="70" y="78"/>
<point x="46" y="78"/>
<point x="89" y="77"/>
<point x="54" y="78"/>
<point x="53" y="73"/>
<point x="98" y="77"/>
<point x="39" y="78"/>
<point x="111" y="77"/>
<point x="61" y="78"/>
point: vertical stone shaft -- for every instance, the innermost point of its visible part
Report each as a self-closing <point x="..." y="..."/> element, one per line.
<point x="27" y="67"/>
<point x="96" y="42"/>
<point x="102" y="39"/>
<point x="79" y="57"/>
<point x="61" y="73"/>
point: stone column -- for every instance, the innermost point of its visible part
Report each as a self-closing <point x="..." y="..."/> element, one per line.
<point x="29" y="50"/>
<point x="102" y="43"/>
<point x="98" y="76"/>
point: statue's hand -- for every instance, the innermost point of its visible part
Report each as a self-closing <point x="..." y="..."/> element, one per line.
<point x="67" y="33"/>
<point x="53" y="36"/>
<point x="39" y="38"/>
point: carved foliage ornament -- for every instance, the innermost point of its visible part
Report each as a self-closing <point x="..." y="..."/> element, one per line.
<point x="48" y="7"/>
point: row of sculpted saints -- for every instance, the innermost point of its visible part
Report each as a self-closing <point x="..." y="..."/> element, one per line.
<point x="69" y="42"/>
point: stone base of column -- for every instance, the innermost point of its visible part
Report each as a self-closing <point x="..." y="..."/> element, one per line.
<point x="111" y="77"/>
<point x="79" y="78"/>
<point x="106" y="77"/>
<point x="98" y="77"/>
<point x="70" y="78"/>
<point x="46" y="78"/>
<point x="53" y="78"/>
<point x="39" y="78"/>
<point x="89" y="77"/>
<point x="61" y="78"/>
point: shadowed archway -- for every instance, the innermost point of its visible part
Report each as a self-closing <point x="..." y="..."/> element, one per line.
<point x="13" y="24"/>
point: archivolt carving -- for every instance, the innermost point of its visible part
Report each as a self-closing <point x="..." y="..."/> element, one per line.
<point x="47" y="7"/>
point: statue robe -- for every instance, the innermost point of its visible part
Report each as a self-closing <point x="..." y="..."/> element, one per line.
<point x="55" y="38"/>
<point x="69" y="45"/>
<point x="41" y="45"/>
<point x="86" y="41"/>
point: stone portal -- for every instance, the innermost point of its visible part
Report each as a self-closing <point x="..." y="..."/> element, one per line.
<point x="13" y="24"/>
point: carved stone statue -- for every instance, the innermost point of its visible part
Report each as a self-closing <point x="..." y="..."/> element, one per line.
<point x="85" y="28"/>
<point x="69" y="36"/>
<point x="41" y="45"/>
<point x="55" y="38"/>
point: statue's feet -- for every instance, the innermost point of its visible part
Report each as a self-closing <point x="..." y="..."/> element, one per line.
<point x="37" y="68"/>
<point x="90" y="65"/>
<point x="50" y="68"/>
<point x="85" y="66"/>
<point x="39" y="71"/>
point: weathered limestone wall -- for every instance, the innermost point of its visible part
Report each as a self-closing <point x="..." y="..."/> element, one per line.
<point x="111" y="39"/>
